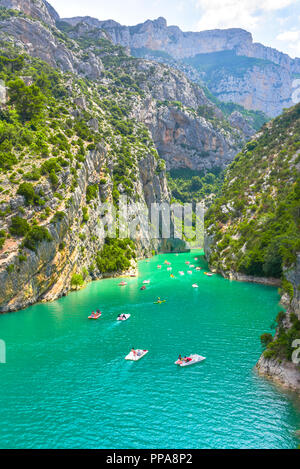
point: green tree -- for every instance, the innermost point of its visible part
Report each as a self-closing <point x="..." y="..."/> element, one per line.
<point x="28" y="100"/>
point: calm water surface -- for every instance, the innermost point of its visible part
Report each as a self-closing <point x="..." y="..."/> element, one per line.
<point x="66" y="383"/>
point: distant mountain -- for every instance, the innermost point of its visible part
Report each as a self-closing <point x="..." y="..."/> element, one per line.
<point x="232" y="66"/>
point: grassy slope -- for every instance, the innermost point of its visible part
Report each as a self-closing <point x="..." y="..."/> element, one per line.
<point x="255" y="221"/>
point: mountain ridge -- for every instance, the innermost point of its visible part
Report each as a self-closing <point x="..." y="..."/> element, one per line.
<point x="260" y="86"/>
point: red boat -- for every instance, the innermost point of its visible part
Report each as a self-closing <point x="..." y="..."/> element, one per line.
<point x="95" y="315"/>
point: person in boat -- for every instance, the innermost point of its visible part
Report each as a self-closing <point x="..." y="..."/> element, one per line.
<point x="98" y="311"/>
<point x="179" y="357"/>
<point x="187" y="359"/>
<point x="133" y="351"/>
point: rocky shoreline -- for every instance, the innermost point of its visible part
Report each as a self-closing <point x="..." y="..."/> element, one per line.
<point x="274" y="282"/>
<point x="283" y="373"/>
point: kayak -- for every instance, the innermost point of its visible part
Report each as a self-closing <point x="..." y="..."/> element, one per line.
<point x="126" y="316"/>
<point x="172" y="276"/>
<point x="95" y="316"/>
<point x="209" y="274"/>
<point x="143" y="288"/>
<point x="137" y="355"/>
<point x="192" y="359"/>
<point x="159" y="302"/>
<point x="195" y="285"/>
<point x="122" y="284"/>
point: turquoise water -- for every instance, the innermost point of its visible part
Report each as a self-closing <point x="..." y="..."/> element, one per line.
<point x="66" y="383"/>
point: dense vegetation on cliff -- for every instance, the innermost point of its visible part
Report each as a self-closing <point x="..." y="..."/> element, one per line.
<point x="253" y="225"/>
<point x="67" y="145"/>
<point x="83" y="123"/>
<point x="255" y="221"/>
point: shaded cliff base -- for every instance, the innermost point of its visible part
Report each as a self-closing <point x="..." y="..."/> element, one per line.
<point x="274" y="282"/>
<point x="282" y="372"/>
<point x="285" y="374"/>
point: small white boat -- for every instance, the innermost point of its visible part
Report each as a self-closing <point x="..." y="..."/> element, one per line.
<point x="123" y="317"/>
<point x="198" y="268"/>
<point x="169" y="268"/>
<point x="191" y="266"/>
<point x="146" y="281"/>
<point x="192" y="359"/>
<point x="189" y="272"/>
<point x="136" y="355"/>
<point x="195" y="285"/>
<point x="122" y="284"/>
<point x="209" y="274"/>
<point x="195" y="258"/>
<point x="159" y="266"/>
<point x="187" y="262"/>
<point x="181" y="273"/>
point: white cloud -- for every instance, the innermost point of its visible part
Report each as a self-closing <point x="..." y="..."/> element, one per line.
<point x="292" y="36"/>
<point x="237" y="13"/>
<point x="292" y="41"/>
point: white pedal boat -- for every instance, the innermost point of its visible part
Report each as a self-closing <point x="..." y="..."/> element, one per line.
<point x="137" y="356"/>
<point x="194" y="359"/>
<point x="195" y="285"/>
<point x="123" y="317"/>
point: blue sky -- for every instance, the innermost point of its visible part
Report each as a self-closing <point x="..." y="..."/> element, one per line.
<point x="274" y="23"/>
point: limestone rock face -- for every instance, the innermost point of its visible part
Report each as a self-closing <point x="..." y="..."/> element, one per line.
<point x="284" y="373"/>
<point x="184" y="140"/>
<point x="38" y="9"/>
<point x="181" y="135"/>
<point x="41" y="41"/>
<point x="265" y="83"/>
<point x="46" y="274"/>
<point x="156" y="35"/>
<point x="237" y="120"/>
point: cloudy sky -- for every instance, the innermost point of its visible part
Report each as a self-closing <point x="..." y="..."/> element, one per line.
<point x="275" y="23"/>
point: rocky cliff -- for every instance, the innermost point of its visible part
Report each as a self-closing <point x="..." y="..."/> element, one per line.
<point x="68" y="146"/>
<point x="252" y="232"/>
<point x="74" y="134"/>
<point x="188" y="129"/>
<point x="233" y="67"/>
